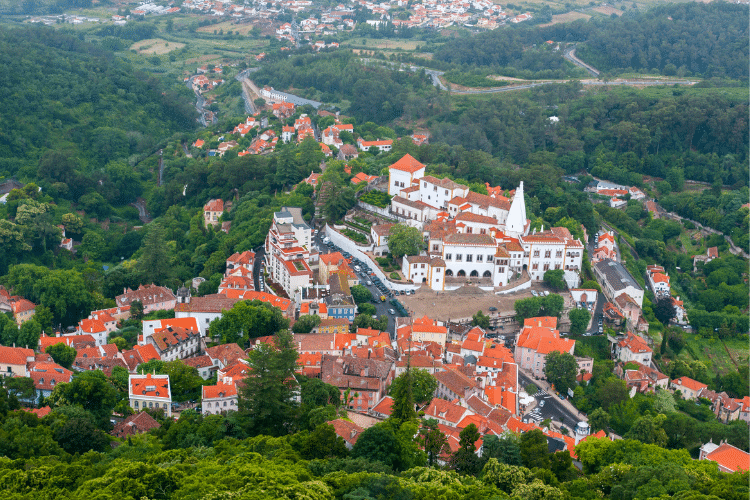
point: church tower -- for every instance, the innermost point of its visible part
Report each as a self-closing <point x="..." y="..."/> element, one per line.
<point x="515" y="225"/>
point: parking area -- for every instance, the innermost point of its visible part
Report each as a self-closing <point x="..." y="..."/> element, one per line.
<point x="383" y="295"/>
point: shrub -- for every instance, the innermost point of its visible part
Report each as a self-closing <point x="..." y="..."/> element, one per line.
<point x="395" y="276"/>
<point x="355" y="236"/>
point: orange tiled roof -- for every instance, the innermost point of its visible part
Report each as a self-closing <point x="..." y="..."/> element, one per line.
<point x="220" y="390"/>
<point x="730" y="457"/>
<point x="691" y="384"/>
<point x="15" y="355"/>
<point x="407" y="164"/>
<point x="150" y="385"/>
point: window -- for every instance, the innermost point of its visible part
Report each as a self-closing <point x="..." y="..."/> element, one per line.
<point x="459" y="257"/>
<point x="469" y="230"/>
<point x="546" y="267"/>
<point x="150" y="404"/>
<point x="482" y="231"/>
<point x="535" y="267"/>
<point x="501" y="269"/>
<point x="135" y="404"/>
<point x="422" y="266"/>
<point x="425" y="184"/>
<point x="489" y="258"/>
<point x="559" y="254"/>
<point x="448" y="256"/>
<point x="469" y="257"/>
<point x="548" y="254"/>
<point x="435" y="247"/>
<point x="536" y="253"/>
<point x="446" y="192"/>
<point x="479" y="258"/>
<point x="557" y="266"/>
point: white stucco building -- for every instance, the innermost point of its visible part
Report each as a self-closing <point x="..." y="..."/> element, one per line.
<point x="288" y="250"/>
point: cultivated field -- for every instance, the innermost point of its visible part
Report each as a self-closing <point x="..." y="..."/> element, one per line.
<point x="607" y="10"/>
<point x="566" y="18"/>
<point x="156" y="46"/>
<point x="375" y="43"/>
<point x="242" y="29"/>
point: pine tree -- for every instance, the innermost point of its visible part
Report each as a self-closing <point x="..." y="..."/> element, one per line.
<point x="154" y="261"/>
<point x="402" y="409"/>
<point x="267" y="400"/>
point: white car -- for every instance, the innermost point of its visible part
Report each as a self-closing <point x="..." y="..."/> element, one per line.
<point x="541" y="404"/>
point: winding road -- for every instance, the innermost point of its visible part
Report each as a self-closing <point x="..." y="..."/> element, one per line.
<point x="569" y="54"/>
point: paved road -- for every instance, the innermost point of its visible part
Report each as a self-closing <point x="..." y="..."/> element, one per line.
<point x="260" y="258"/>
<point x="597" y="313"/>
<point x="435" y="76"/>
<point x="570" y="55"/>
<point x="553" y="408"/>
<point x="381" y="308"/>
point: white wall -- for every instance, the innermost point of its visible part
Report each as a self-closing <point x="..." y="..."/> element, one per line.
<point x="359" y="252"/>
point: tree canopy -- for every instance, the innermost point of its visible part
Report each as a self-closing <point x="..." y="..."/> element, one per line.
<point x="248" y="320"/>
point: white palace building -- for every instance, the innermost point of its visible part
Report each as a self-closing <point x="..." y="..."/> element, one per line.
<point x="474" y="235"/>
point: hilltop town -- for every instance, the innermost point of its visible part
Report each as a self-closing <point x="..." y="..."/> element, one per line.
<point x="419" y="250"/>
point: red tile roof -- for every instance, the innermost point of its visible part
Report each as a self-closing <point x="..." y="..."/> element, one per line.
<point x="214" y="206"/>
<point x="47" y="375"/>
<point x="730" y="458"/>
<point x="147" y="352"/>
<point x="445" y="410"/>
<point x="226" y="353"/>
<point x="40" y="412"/>
<point x="137" y="423"/>
<point x="689" y="383"/>
<point x="384" y="407"/>
<point x="407" y="164"/>
<point x="15" y="355"/>
<point x="92" y="326"/>
<point x="220" y="390"/>
<point x="150" y="385"/>
<point x="348" y="431"/>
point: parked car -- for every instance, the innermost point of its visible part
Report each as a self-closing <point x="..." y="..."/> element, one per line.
<point x="533" y="292"/>
<point x="493" y="308"/>
<point x="369" y="283"/>
<point x="391" y="311"/>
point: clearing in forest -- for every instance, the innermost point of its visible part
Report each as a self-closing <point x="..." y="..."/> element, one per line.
<point x="566" y="18"/>
<point x="155" y="46"/>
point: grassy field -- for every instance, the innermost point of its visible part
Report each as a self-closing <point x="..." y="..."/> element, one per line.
<point x="156" y="46"/>
<point x="380" y="44"/>
<point x="242" y="29"/>
<point x="713" y="354"/>
<point x="566" y="18"/>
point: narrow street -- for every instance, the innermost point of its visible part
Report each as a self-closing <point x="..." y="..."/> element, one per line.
<point x="549" y="405"/>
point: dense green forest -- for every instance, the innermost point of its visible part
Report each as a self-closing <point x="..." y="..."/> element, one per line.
<point x="700" y="39"/>
<point x="87" y="110"/>
<point x="689" y="39"/>
<point x="374" y="93"/>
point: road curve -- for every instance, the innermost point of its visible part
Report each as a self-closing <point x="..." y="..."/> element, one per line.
<point x="570" y="55"/>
